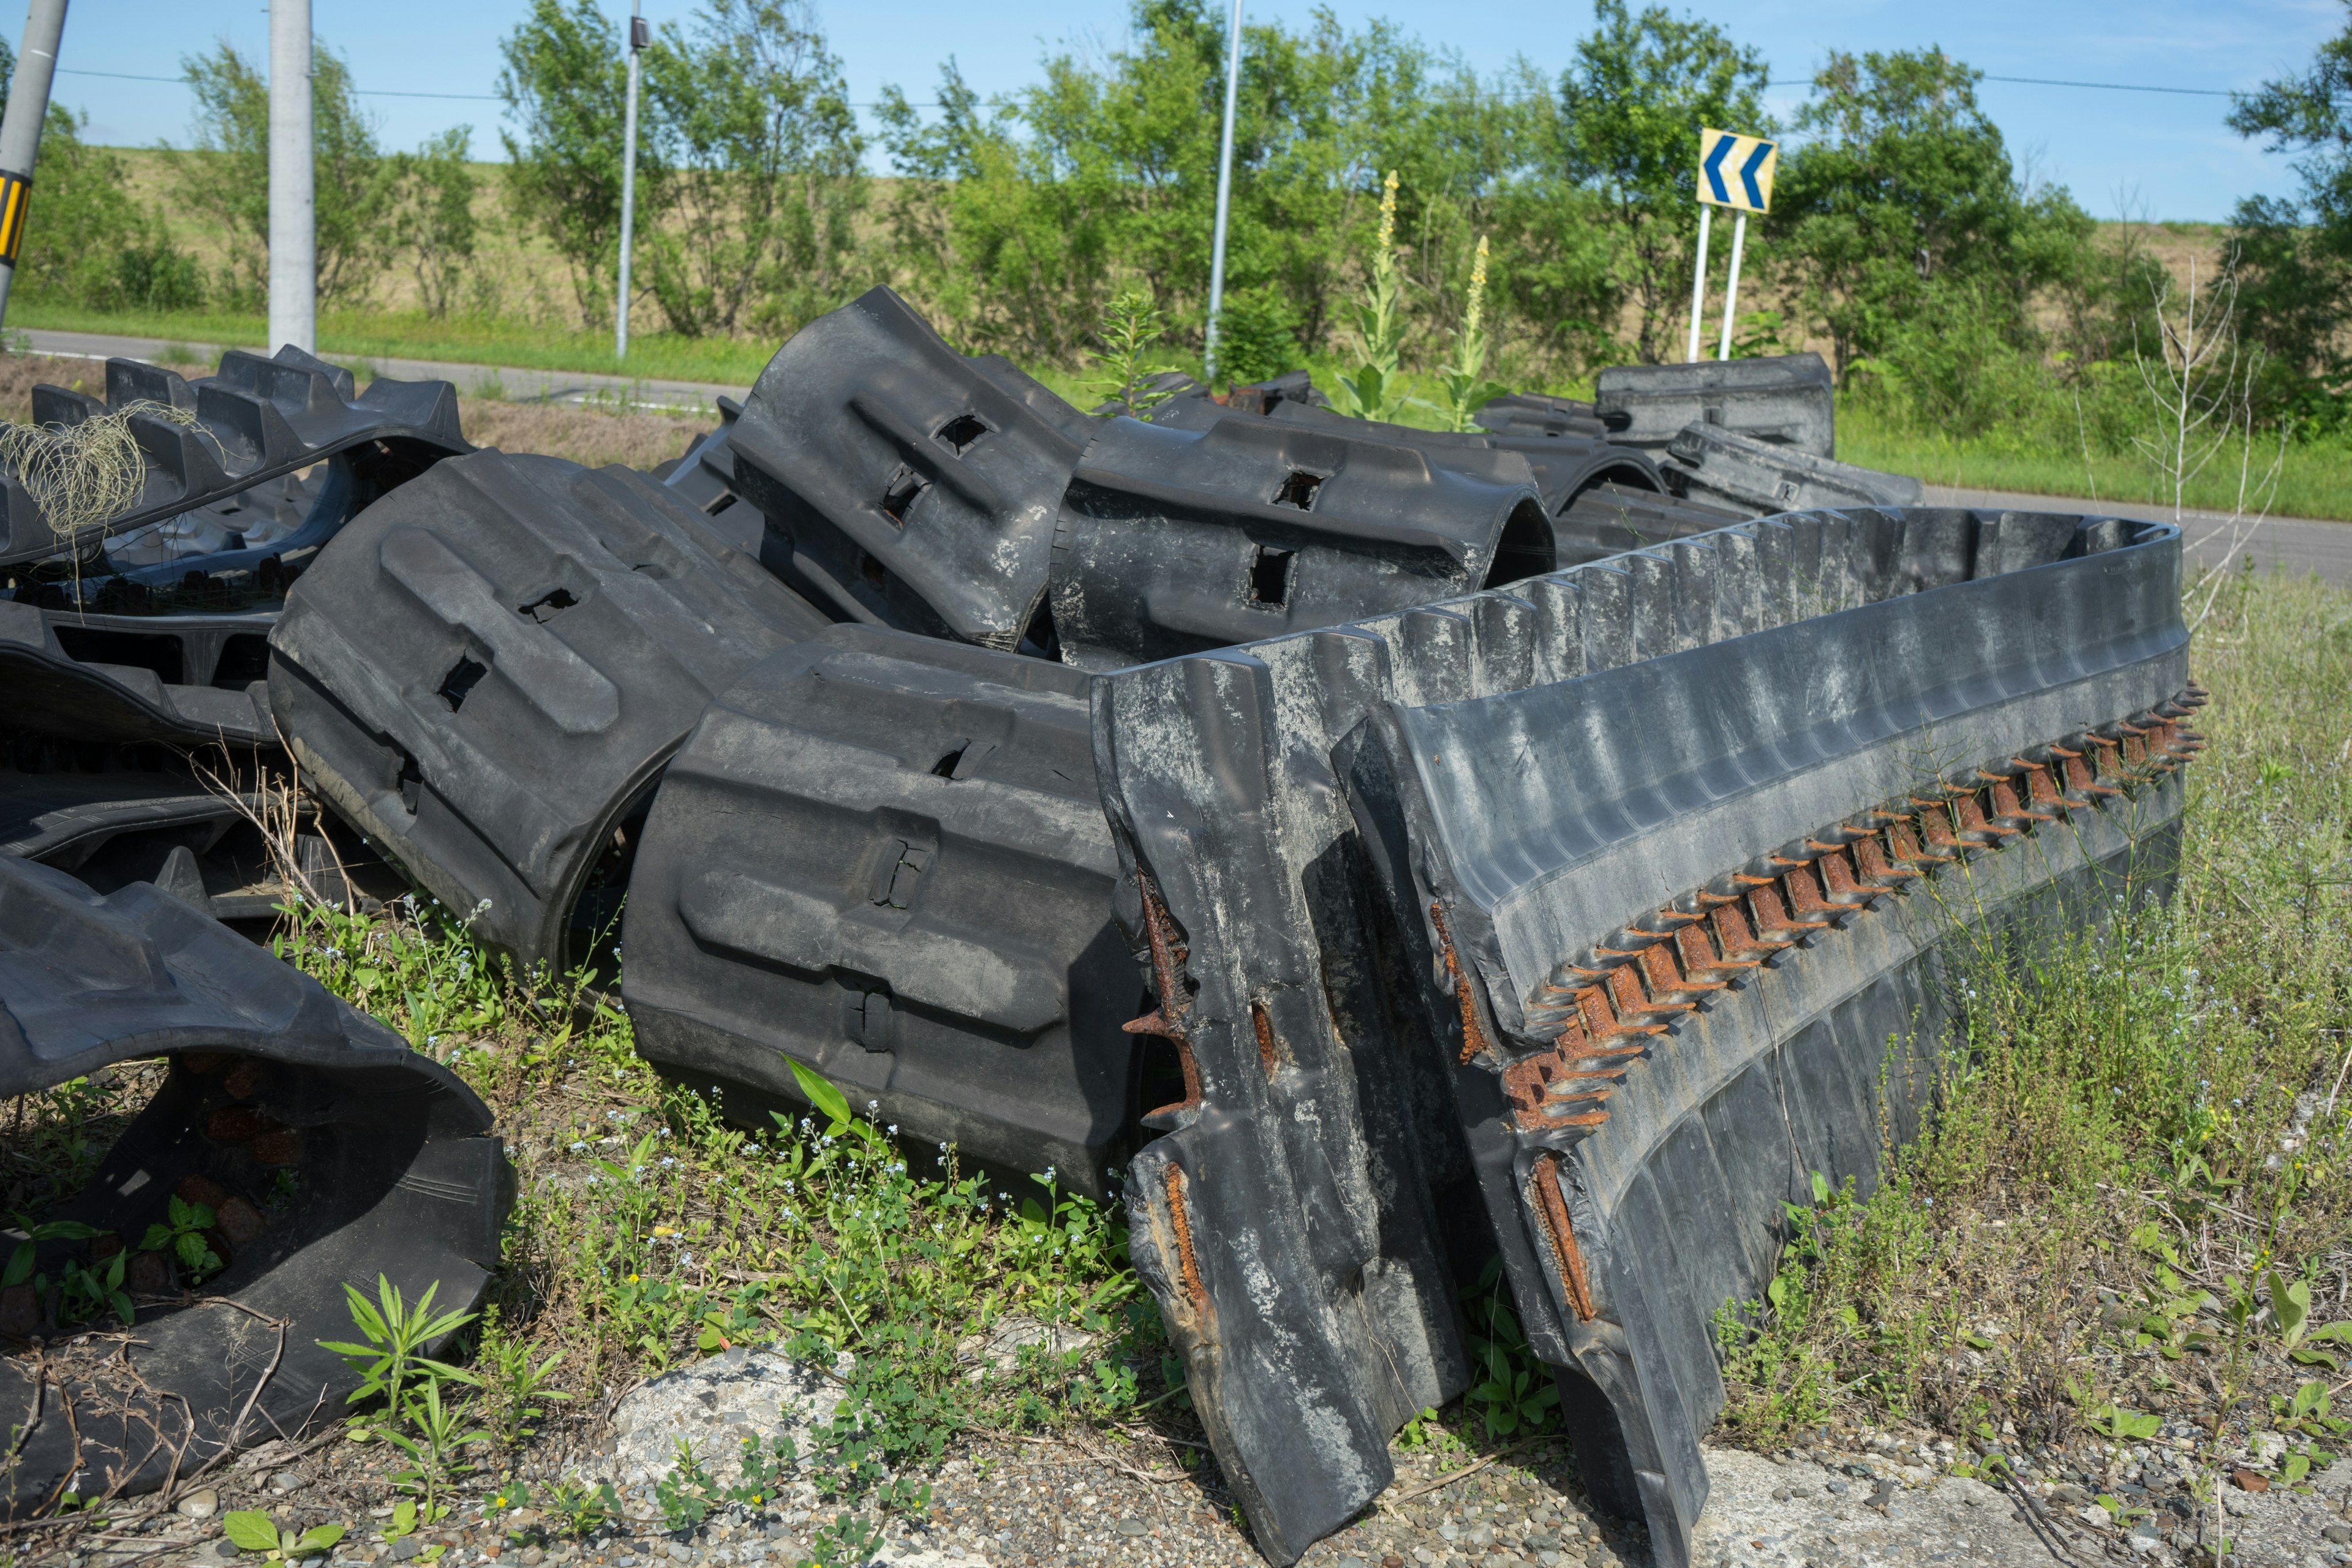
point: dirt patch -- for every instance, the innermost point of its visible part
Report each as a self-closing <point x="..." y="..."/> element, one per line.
<point x="582" y="434"/>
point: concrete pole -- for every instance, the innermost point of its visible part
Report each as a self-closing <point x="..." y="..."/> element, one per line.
<point x="1698" y="281"/>
<point x="1731" y="290"/>
<point x="628" y="183"/>
<point x="293" y="206"/>
<point x="1224" y="199"/>
<point x="20" y="130"/>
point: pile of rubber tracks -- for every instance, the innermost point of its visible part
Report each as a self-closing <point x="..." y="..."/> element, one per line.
<point x="308" y="1145"/>
<point x="1069" y="786"/>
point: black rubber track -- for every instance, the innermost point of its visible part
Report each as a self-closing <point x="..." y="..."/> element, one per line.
<point x="1713" y="466"/>
<point x="253" y="419"/>
<point x="1172" y="540"/>
<point x="326" y="1149"/>
<point x="904" y="484"/>
<point x="1418" y="893"/>
<point x="884" y="857"/>
<point x="1786" y="398"/>
<point x="487" y="669"/>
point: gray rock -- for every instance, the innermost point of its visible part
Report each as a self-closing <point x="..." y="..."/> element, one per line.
<point x="285" y="1481"/>
<point x="775" y="1394"/>
<point x="199" y="1504"/>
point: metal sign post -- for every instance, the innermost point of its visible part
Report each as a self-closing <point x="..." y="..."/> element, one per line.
<point x="1745" y="188"/>
<point x="1224" y="200"/>
<point x="1698" y="281"/>
<point x="639" y="37"/>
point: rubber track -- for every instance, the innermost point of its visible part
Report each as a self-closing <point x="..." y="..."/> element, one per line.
<point x="254" y="419"/>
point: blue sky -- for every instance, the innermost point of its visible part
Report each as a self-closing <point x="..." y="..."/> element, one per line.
<point x="2155" y="155"/>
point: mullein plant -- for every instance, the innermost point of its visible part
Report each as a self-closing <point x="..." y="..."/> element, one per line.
<point x="1466" y="386"/>
<point x="1376" y="389"/>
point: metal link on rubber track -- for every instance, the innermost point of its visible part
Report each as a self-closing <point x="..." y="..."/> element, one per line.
<point x="1608" y="905"/>
<point x="1609" y="1003"/>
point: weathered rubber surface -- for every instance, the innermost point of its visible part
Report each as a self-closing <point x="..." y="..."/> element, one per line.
<point x="228" y="651"/>
<point x="1375" y="862"/>
<point x="1175" y="540"/>
<point x="255" y="419"/>
<point x="1568" y="455"/>
<point x="1711" y="467"/>
<point x="52" y="692"/>
<point x="395" y="1170"/>
<point x="884" y="857"/>
<point x="488" y="670"/>
<point x="1609" y="518"/>
<point x="1536" y="414"/>
<point x="704" y="477"/>
<point x="1787" y="399"/>
<point x="904" y="485"/>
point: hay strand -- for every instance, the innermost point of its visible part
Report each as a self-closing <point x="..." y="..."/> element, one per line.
<point x="84" y="475"/>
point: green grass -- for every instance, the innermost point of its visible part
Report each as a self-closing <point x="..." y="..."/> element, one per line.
<point x="377" y="334"/>
<point x="2140" y="1152"/>
<point x="2314" y="481"/>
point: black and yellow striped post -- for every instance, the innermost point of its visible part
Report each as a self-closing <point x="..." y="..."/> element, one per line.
<point x="20" y="130"/>
<point x="15" y="196"/>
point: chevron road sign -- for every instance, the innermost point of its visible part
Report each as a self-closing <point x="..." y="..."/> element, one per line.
<point x="1736" y="171"/>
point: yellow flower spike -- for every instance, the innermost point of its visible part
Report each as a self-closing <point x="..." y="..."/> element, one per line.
<point x="1388" y="211"/>
<point x="1478" y="290"/>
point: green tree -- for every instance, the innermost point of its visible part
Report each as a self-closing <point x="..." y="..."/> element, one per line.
<point x="1902" y="212"/>
<point x="564" y="84"/>
<point x="433" y="216"/>
<point x="2295" y="253"/>
<point x="224" y="177"/>
<point x="1632" y="108"/>
<point x="765" y="180"/>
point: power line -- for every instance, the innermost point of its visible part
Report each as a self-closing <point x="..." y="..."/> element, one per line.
<point x="362" y="91"/>
<point x="2102" y="86"/>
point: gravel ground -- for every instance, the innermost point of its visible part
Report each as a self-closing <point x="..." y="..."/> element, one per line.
<point x="1100" y="1499"/>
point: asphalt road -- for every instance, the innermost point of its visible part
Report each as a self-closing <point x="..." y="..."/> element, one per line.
<point x="2210" y="539"/>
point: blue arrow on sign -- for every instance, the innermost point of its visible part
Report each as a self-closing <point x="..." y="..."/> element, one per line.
<point x="1713" y="168"/>
<point x="1747" y="170"/>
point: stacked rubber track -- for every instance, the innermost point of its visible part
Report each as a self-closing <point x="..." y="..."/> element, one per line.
<point x="487" y="672"/>
<point x="255" y="419"/>
<point x="1610" y="904"/>
<point x="317" y="1147"/>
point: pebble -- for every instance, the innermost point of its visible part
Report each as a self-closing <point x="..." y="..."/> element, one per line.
<point x="200" y="1504"/>
<point x="285" y="1481"/>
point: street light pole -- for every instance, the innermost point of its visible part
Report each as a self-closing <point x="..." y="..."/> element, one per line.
<point x="640" y="35"/>
<point x="293" y="212"/>
<point x="1225" y="198"/>
<point x="20" y="130"/>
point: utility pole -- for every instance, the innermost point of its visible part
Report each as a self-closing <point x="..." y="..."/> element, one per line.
<point x="1225" y="198"/>
<point x="293" y="206"/>
<point x="20" y="130"/>
<point x="639" y="37"/>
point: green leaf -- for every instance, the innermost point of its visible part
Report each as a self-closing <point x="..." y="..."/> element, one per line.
<point x="820" y="1092"/>
<point x="318" y="1538"/>
<point x="1821" y="1188"/>
<point x="19" y="1268"/>
<point x="2297" y="1465"/>
<point x="2290" y="1305"/>
<point x="251" y="1529"/>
